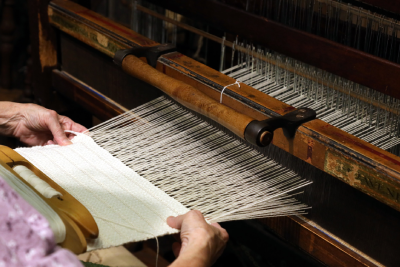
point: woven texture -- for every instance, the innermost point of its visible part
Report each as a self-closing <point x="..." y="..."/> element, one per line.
<point x="126" y="206"/>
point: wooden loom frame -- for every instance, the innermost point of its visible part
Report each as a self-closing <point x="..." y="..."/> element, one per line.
<point x="314" y="143"/>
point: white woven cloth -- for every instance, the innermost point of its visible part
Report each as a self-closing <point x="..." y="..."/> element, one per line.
<point x="126" y="206"/>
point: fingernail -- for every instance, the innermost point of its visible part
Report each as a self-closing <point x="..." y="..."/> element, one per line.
<point x="67" y="142"/>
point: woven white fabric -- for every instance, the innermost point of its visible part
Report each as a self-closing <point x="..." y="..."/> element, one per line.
<point x="114" y="194"/>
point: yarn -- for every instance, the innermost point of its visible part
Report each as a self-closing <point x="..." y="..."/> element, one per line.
<point x="222" y="91"/>
<point x="41" y="186"/>
<point x="160" y="160"/>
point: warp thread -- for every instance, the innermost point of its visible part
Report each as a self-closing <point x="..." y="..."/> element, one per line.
<point x="222" y="92"/>
<point x="159" y="160"/>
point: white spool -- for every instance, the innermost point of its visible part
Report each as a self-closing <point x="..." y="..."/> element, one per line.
<point x="41" y="186"/>
<point x="55" y="222"/>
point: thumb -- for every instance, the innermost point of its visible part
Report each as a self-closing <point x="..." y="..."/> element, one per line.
<point x="175" y="222"/>
<point x="55" y="127"/>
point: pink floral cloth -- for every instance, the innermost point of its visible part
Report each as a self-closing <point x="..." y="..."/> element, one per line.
<point x="25" y="235"/>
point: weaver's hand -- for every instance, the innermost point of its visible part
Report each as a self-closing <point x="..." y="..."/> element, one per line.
<point x="35" y="125"/>
<point x="201" y="244"/>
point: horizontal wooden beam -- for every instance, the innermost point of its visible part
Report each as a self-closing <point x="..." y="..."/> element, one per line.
<point x="361" y="165"/>
<point x="371" y="71"/>
<point x="93" y="29"/>
<point x="95" y="102"/>
<point x="312" y="238"/>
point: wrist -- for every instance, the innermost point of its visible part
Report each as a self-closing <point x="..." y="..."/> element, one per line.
<point x="196" y="253"/>
<point x="190" y="259"/>
<point x="9" y="116"/>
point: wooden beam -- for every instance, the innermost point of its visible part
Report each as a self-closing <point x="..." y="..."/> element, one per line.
<point x="95" y="102"/>
<point x="93" y="29"/>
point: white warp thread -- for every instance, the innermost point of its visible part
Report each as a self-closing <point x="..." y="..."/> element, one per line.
<point x="222" y="91"/>
<point x="109" y="189"/>
<point x="41" y="186"/>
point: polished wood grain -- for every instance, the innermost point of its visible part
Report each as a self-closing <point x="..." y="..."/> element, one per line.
<point x="187" y="95"/>
<point x="314" y="240"/>
<point x="93" y="29"/>
<point x="86" y="96"/>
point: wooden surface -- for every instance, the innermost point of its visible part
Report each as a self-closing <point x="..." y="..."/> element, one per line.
<point x="313" y="240"/>
<point x="86" y="96"/>
<point x="187" y="95"/>
<point x="349" y="63"/>
<point x="98" y="71"/>
<point x="93" y="29"/>
<point x="368" y="168"/>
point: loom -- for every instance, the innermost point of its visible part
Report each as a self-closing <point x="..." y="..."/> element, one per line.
<point x="136" y="170"/>
<point x="338" y="59"/>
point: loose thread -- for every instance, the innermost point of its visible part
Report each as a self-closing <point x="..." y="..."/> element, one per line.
<point x="135" y="229"/>
<point x="222" y="92"/>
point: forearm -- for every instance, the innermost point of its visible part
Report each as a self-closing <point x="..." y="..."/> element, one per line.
<point x="196" y="252"/>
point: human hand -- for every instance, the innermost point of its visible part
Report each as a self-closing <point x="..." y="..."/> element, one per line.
<point x="35" y="125"/>
<point x="201" y="244"/>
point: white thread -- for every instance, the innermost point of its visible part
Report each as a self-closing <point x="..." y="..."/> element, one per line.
<point x="55" y="222"/>
<point x="168" y="146"/>
<point x="160" y="160"/>
<point x="41" y="186"/>
<point x="222" y="92"/>
<point x="107" y="188"/>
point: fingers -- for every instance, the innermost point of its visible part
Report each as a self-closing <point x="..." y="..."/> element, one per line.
<point x="50" y="142"/>
<point x="194" y="218"/>
<point x="61" y="123"/>
<point x="76" y="127"/>
<point x="70" y="125"/>
<point x="53" y="123"/>
<point x="175" y="222"/>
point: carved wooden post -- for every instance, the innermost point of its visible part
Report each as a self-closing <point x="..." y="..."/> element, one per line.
<point x="7" y="27"/>
<point x="28" y="94"/>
